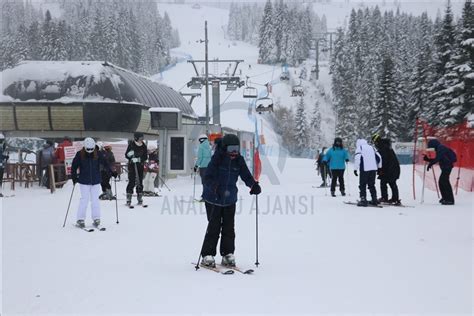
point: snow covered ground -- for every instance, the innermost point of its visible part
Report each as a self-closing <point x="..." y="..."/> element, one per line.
<point x="317" y="254"/>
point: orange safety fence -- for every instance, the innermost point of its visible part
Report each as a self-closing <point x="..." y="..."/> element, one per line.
<point x="460" y="138"/>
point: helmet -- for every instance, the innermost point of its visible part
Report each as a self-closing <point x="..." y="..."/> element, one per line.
<point x="137" y="136"/>
<point x="231" y="144"/>
<point x="100" y="145"/>
<point x="89" y="144"/>
<point x="2" y="136"/>
<point x="202" y="137"/>
<point x="375" y="137"/>
<point x="151" y="147"/>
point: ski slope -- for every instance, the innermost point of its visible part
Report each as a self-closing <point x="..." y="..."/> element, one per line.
<point x="317" y="255"/>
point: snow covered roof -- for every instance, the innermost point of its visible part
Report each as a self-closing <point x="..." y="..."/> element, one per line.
<point x="86" y="81"/>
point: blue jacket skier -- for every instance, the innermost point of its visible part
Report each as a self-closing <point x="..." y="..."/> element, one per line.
<point x="203" y="157"/>
<point x="337" y="157"/>
<point x="220" y="196"/>
<point x="446" y="158"/>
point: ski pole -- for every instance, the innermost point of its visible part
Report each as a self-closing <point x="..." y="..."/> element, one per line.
<point x="256" y="231"/>
<point x="194" y="187"/>
<point x="163" y="183"/>
<point x="207" y="228"/>
<point x="348" y="180"/>
<point x="423" y="186"/>
<point x="69" y="205"/>
<point x="116" y="203"/>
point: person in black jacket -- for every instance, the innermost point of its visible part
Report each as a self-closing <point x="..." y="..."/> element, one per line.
<point x="88" y="161"/>
<point x="105" y="184"/>
<point x="137" y="155"/>
<point x="220" y="196"/>
<point x="390" y="171"/>
<point x="446" y="158"/>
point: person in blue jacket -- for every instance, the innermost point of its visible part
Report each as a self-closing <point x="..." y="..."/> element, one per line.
<point x="336" y="157"/>
<point x="88" y="161"/>
<point x="203" y="158"/>
<point x="220" y="196"/>
<point x="446" y="158"/>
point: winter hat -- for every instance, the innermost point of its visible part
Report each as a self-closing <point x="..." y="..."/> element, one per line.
<point x="230" y="139"/>
<point x="137" y="136"/>
<point x="202" y="137"/>
<point x="337" y="141"/>
<point x="89" y="144"/>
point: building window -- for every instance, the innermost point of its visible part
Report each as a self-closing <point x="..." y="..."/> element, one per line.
<point x="177" y="153"/>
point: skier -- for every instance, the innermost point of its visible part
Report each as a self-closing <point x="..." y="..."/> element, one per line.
<point x="322" y="168"/>
<point x="390" y="171"/>
<point x="446" y="157"/>
<point x="220" y="196"/>
<point x="136" y="154"/>
<point x="368" y="161"/>
<point x="105" y="175"/>
<point x="203" y="158"/>
<point x="88" y="161"/>
<point x="45" y="157"/>
<point x="151" y="169"/>
<point x="336" y="157"/>
<point x="3" y="160"/>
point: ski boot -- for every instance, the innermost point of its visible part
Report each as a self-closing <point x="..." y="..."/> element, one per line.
<point x="374" y="202"/>
<point x="129" y="199"/>
<point x="446" y="202"/>
<point x="80" y="223"/>
<point x="140" y="198"/>
<point x="323" y="185"/>
<point x="103" y="196"/>
<point x="343" y="193"/>
<point x="228" y="260"/>
<point x="96" y="222"/>
<point x="333" y="194"/>
<point x="395" y="202"/>
<point x="208" y="261"/>
<point x="109" y="195"/>
<point x="1" y="195"/>
<point x="383" y="200"/>
<point x="363" y="202"/>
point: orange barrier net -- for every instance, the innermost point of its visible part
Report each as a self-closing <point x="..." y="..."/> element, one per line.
<point x="460" y="138"/>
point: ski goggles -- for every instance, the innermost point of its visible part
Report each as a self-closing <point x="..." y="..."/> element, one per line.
<point x="89" y="150"/>
<point x="233" y="149"/>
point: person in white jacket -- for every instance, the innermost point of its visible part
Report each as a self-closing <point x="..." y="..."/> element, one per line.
<point x="366" y="160"/>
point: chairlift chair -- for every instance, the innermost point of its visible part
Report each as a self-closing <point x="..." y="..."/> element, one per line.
<point x="250" y="92"/>
<point x="231" y="87"/>
<point x="264" y="105"/>
<point x="285" y="75"/>
<point x="297" y="91"/>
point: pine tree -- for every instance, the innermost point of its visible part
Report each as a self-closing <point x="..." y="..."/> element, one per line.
<point x="387" y="106"/>
<point x="267" y="50"/>
<point x="315" y="127"/>
<point x="301" y="128"/>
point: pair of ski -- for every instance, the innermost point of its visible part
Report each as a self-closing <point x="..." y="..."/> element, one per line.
<point x="225" y="269"/>
<point x="90" y="230"/>
<point x="378" y="206"/>
<point x="133" y="206"/>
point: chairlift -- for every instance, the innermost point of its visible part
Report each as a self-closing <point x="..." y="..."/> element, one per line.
<point x="231" y="86"/>
<point x="264" y="104"/>
<point x="195" y="83"/>
<point x="285" y="75"/>
<point x="249" y="91"/>
<point x="313" y="68"/>
<point x="297" y="91"/>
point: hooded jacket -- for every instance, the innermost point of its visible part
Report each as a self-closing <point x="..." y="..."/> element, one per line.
<point x="390" y="164"/>
<point x="204" y="154"/>
<point x="222" y="174"/>
<point x="89" y="166"/>
<point x="366" y="158"/>
<point x="444" y="155"/>
<point x="336" y="157"/>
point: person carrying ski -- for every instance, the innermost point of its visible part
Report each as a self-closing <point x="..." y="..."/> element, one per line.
<point x="322" y="167"/>
<point x="105" y="174"/>
<point x="446" y="158"/>
<point x="203" y="158"/>
<point x="3" y="160"/>
<point x="220" y="196"/>
<point x="336" y="157"/>
<point x="88" y="161"/>
<point x="366" y="160"/>
<point x="136" y="154"/>
<point x="390" y="172"/>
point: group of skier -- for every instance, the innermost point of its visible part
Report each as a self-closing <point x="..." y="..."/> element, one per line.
<point x="380" y="161"/>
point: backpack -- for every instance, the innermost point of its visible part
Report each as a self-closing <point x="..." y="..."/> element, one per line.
<point x="451" y="155"/>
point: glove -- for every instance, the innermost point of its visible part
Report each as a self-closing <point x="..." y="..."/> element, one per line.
<point x="347" y="160"/>
<point x="379" y="172"/>
<point x="6" y="157"/>
<point x="256" y="189"/>
<point x="356" y="174"/>
<point x="425" y="158"/>
<point x="136" y="160"/>
<point x="429" y="167"/>
<point x="195" y="168"/>
<point x="74" y="180"/>
<point x="130" y="154"/>
<point x="114" y="174"/>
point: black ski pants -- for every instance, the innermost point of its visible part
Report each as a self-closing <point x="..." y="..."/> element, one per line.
<point x="105" y="180"/>
<point x="1" y="176"/>
<point x="337" y="175"/>
<point x="132" y="177"/>
<point x="221" y="221"/>
<point x="393" y="187"/>
<point x="367" y="179"/>
<point x="202" y="173"/>
<point x="445" y="185"/>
